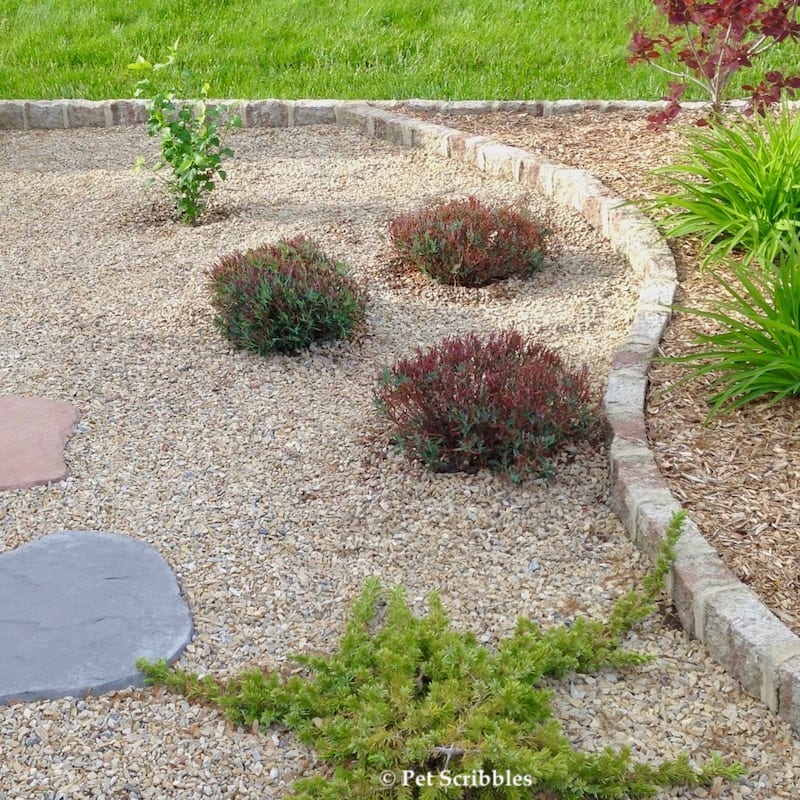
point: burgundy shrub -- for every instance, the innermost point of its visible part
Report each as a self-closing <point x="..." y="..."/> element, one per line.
<point x="506" y="404"/>
<point x="466" y="243"/>
<point x="284" y="296"/>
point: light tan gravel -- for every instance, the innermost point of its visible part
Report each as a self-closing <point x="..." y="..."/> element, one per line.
<point x="270" y="486"/>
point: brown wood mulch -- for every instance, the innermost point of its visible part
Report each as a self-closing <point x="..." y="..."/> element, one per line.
<point x="739" y="475"/>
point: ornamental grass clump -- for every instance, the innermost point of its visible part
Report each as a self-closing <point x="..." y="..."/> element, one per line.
<point x="506" y="404"/>
<point x="466" y="243"/>
<point x="282" y="297"/>
<point x="754" y="353"/>
<point x="738" y="188"/>
<point x="405" y="696"/>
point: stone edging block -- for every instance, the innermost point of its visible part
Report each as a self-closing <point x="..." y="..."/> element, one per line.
<point x="747" y="639"/>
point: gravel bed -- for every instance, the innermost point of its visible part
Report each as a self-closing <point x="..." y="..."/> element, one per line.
<point x="270" y="485"/>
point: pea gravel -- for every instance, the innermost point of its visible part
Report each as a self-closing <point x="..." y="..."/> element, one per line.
<point x="270" y="486"/>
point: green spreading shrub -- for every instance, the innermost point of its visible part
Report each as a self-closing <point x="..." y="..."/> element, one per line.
<point x="404" y="698"/>
<point x="754" y="353"/>
<point x="738" y="188"/>
<point x="284" y="296"/>
<point x="466" y="243"/>
<point x="506" y="403"/>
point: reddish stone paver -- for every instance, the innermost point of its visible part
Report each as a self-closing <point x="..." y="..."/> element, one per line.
<point x="33" y="432"/>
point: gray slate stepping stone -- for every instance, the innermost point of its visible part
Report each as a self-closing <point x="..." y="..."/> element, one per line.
<point x="33" y="432"/>
<point x="77" y="608"/>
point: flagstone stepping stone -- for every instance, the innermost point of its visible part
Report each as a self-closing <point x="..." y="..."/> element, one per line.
<point x="33" y="432"/>
<point x="77" y="608"/>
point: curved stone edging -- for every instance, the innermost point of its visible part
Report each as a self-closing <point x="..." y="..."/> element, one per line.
<point x="747" y="639"/>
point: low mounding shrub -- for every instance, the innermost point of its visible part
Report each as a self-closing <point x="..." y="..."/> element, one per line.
<point x="283" y="297"/>
<point x="466" y="243"/>
<point x="738" y="188"/>
<point x="755" y="351"/>
<point x="506" y="404"/>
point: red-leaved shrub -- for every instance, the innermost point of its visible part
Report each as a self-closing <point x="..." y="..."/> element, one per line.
<point x="466" y="243"/>
<point x="712" y="41"/>
<point x="283" y="297"/>
<point x="506" y="404"/>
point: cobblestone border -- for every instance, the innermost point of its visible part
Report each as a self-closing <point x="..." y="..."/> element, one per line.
<point x="55" y="114"/>
<point x="747" y="639"/>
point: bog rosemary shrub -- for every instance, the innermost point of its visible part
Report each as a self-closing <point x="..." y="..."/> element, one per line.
<point x="192" y="137"/>
<point x="738" y="188"/>
<point x="466" y="243"/>
<point x="403" y="693"/>
<point x="507" y="404"/>
<point x="754" y="353"/>
<point x="284" y="296"/>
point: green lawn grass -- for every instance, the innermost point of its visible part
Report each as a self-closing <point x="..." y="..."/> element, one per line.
<point x="372" y="49"/>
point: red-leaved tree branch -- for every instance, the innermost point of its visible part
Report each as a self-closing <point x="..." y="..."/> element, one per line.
<point x="711" y="41"/>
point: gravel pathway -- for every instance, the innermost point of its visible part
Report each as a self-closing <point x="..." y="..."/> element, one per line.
<point x="269" y="484"/>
